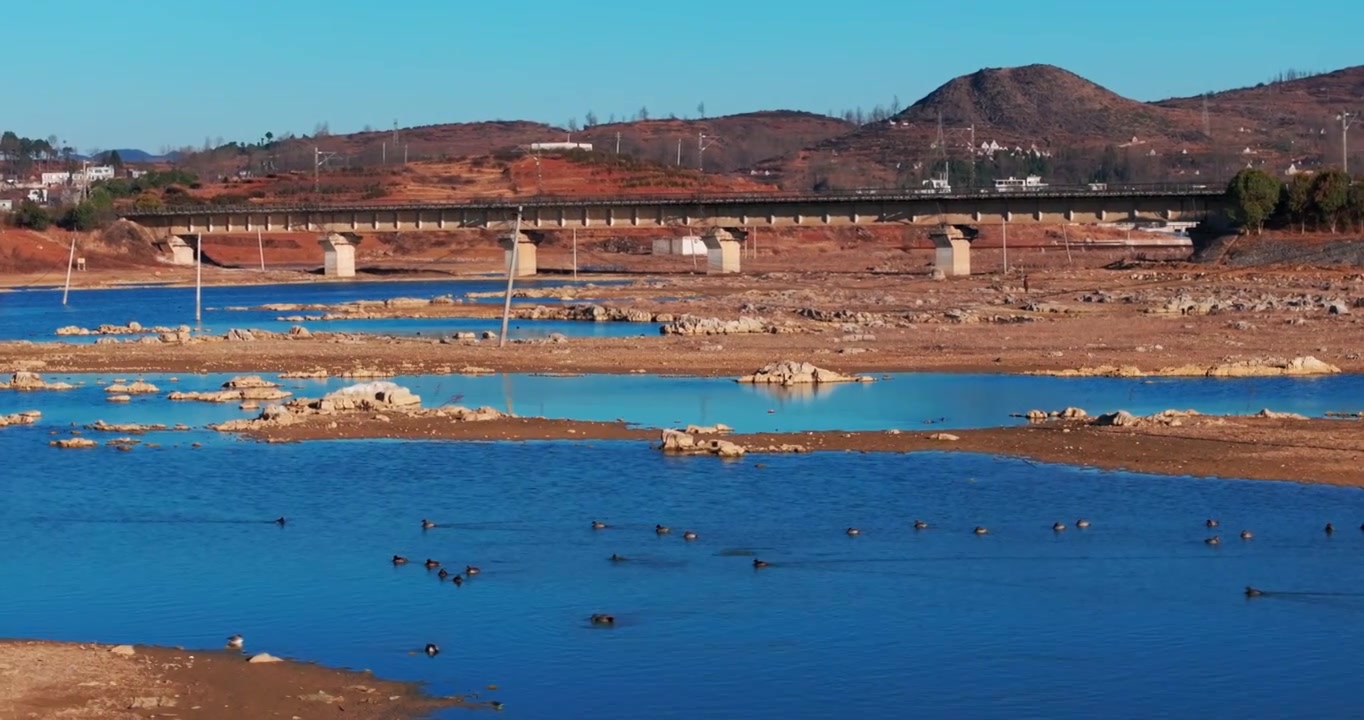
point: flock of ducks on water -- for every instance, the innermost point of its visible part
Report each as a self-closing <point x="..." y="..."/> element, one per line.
<point x="235" y="642"/>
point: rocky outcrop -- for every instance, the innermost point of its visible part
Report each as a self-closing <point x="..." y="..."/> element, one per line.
<point x="716" y="429"/>
<point x="587" y="313"/>
<point x="75" y="442"/>
<point x="1254" y="367"/>
<point x="790" y="372"/>
<point x="304" y="374"/>
<point x="677" y="442"/>
<point x="1070" y="413"/>
<point x="383" y="399"/>
<point x="137" y="387"/>
<point x="125" y="428"/>
<point x="1122" y="418"/>
<point x="245" y="388"/>
<point x="30" y="381"/>
<point x="23" y="418"/>
<point x="747" y="324"/>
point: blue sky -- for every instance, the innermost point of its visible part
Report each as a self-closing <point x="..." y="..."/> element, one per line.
<point x="154" y="73"/>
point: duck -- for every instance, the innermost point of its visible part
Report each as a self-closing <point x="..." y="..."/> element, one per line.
<point x="1210" y="523"/>
<point x="1329" y="529"/>
<point x="443" y="574"/>
<point x="235" y="642"/>
<point x="1082" y="523"/>
<point x="662" y="529"/>
<point x="456" y="579"/>
<point x="689" y="535"/>
<point x="920" y="525"/>
<point x="430" y="564"/>
<point x="1058" y="527"/>
<point x="1253" y="592"/>
<point x="759" y="563"/>
<point x="427" y="524"/>
<point x="471" y="570"/>
<point x="1246" y="534"/>
<point x="981" y="530"/>
<point x="617" y="558"/>
<point x="853" y="531"/>
<point x="280" y="521"/>
<point x="399" y="560"/>
<point x="1214" y="540"/>
<point x="431" y="650"/>
<point x="602" y="619"/>
<point x="598" y="525"/>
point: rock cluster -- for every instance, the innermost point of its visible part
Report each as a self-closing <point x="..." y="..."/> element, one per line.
<point x="1070" y="413"/>
<point x="245" y="388"/>
<point x="591" y="313"/>
<point x="25" y="380"/>
<point x="23" y="418"/>
<point x="790" y="372"/>
<point x="127" y="428"/>
<point x="1185" y="304"/>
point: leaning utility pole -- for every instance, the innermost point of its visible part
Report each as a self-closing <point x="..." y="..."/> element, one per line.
<point x="701" y="146"/>
<point x="511" y="274"/>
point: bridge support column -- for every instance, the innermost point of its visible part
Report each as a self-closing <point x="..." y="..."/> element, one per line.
<point x="952" y="252"/>
<point x="722" y="252"/>
<point x="181" y="250"/>
<point x="338" y="254"/>
<point x="525" y="254"/>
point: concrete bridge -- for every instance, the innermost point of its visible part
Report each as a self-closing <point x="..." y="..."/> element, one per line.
<point x="341" y="225"/>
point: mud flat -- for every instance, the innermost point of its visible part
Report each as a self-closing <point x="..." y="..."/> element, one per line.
<point x="40" y="679"/>
<point x="1252" y="447"/>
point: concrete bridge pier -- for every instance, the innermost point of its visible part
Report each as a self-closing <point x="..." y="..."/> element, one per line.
<point x="526" y="265"/>
<point x="952" y="251"/>
<point x="722" y="251"/>
<point x="180" y="247"/>
<point x="338" y="254"/>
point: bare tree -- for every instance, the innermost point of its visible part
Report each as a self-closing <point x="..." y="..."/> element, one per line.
<point x="590" y="120"/>
<point x="701" y="109"/>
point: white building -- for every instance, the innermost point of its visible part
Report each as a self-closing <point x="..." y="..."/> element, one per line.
<point x="1032" y="182"/>
<point x="561" y="146"/>
<point x="80" y="177"/>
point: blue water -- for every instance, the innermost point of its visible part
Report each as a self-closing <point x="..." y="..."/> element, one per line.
<point x="35" y="314"/>
<point x="906" y="401"/>
<point x="1132" y="618"/>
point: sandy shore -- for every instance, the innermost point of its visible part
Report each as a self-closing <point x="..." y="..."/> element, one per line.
<point x="1313" y="451"/>
<point x="41" y="679"/>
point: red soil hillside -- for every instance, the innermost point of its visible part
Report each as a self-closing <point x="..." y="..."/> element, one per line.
<point x="571" y="174"/>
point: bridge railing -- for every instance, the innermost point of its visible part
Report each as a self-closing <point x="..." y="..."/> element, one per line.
<point x="867" y="195"/>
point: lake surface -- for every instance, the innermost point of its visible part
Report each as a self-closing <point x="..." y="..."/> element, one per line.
<point x="906" y="401"/>
<point x="1134" y="617"/>
<point x="36" y="313"/>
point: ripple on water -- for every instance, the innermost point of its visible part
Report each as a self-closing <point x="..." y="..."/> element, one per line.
<point x="1134" y="613"/>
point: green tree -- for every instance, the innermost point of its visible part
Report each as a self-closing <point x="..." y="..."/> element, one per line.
<point x="112" y="159"/>
<point x="32" y="216"/>
<point x="1355" y="205"/>
<point x="1253" y="194"/>
<point x="1331" y="196"/>
<point x="1297" y="201"/>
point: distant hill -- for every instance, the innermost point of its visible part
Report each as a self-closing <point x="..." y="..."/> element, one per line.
<point x="995" y="122"/>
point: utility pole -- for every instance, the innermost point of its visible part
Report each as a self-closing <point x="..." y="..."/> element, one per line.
<point x="575" y="254"/>
<point x="1006" y="246"/>
<point x="1346" y="120"/>
<point x="679" y="152"/>
<point x="70" y="260"/>
<point x="511" y="274"/>
<point x="617" y="142"/>
<point x="199" y="279"/>
<point x="319" y="159"/>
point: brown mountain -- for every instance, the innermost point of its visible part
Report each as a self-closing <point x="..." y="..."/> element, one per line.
<point x="1082" y="131"/>
<point x="994" y="122"/>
